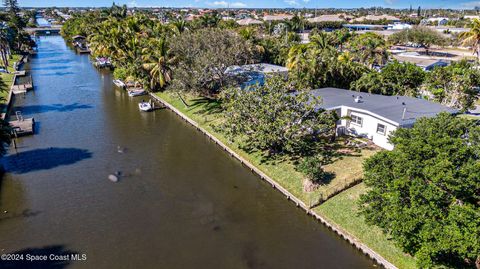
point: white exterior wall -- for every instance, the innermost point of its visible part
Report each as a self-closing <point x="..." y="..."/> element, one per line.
<point x="369" y="126"/>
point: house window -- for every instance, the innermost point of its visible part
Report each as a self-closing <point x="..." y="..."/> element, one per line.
<point x="356" y="120"/>
<point x="381" y="129"/>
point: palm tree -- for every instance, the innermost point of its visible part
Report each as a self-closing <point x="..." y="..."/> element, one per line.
<point x="179" y="26"/>
<point x="158" y="62"/>
<point x="342" y="35"/>
<point x="210" y="20"/>
<point x="4" y="48"/>
<point x="249" y="33"/>
<point x="370" y="49"/>
<point x="296" y="23"/>
<point x="296" y="55"/>
<point x="322" y="41"/>
<point x="472" y="37"/>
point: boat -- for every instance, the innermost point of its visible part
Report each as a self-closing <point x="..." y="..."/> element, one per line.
<point x="136" y="92"/>
<point x="145" y="106"/>
<point x="119" y="83"/>
<point x="102" y="62"/>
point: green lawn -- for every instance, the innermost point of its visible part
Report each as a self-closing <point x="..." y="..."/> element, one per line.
<point x="6" y="81"/>
<point x="341" y="209"/>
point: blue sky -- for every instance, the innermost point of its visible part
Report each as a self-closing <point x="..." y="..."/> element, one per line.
<point x="457" y="4"/>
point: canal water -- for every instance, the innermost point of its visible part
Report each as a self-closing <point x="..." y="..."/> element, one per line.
<point x="181" y="202"/>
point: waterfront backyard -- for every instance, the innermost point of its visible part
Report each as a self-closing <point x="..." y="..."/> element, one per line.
<point x="342" y="209"/>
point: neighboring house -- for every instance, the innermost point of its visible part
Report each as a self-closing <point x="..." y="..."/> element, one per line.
<point x="327" y="18"/>
<point x="471" y="17"/>
<point x="251" y="74"/>
<point x="377" y="18"/>
<point x="425" y="62"/>
<point x="375" y="116"/>
<point x="278" y="17"/>
<point x="438" y="21"/>
<point x="248" y="21"/>
<point x="365" y="27"/>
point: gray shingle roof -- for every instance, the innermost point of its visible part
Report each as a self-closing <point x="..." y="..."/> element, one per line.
<point x="389" y="107"/>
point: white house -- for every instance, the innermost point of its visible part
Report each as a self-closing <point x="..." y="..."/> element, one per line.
<point x="375" y="116"/>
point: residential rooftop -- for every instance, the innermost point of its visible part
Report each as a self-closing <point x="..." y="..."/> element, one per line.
<point x="388" y="107"/>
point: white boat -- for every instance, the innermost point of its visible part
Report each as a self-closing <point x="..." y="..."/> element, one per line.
<point x="145" y="106"/>
<point x="136" y="92"/>
<point x="119" y="83"/>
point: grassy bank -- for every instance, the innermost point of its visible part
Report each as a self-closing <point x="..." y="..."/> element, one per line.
<point x="6" y="82"/>
<point x="341" y="209"/>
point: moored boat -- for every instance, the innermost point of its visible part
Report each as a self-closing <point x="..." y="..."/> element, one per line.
<point x="145" y="106"/>
<point x="136" y="92"/>
<point x="119" y="83"/>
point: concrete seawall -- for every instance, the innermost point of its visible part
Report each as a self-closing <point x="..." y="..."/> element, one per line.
<point x="335" y="228"/>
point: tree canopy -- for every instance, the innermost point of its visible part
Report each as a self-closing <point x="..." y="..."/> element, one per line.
<point x="270" y="118"/>
<point x="425" y="192"/>
<point x="204" y="56"/>
<point x="394" y="79"/>
<point x="472" y="37"/>
<point x="420" y="35"/>
<point x="369" y="49"/>
<point x="454" y="85"/>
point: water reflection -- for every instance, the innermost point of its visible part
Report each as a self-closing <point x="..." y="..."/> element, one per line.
<point x="35" y="109"/>
<point x="43" y="159"/>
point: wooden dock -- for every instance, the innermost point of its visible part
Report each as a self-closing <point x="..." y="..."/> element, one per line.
<point x="21" y="88"/>
<point x="23" y="126"/>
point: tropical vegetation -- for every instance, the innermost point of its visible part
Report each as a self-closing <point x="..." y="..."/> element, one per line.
<point x="279" y="128"/>
<point x="425" y="192"/>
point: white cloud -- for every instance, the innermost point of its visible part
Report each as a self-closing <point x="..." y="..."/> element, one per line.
<point x="238" y="4"/>
<point x="291" y="2"/>
<point x="226" y="4"/>
<point x="132" y="3"/>
<point x="219" y="4"/>
<point x="471" y="4"/>
<point x="306" y="1"/>
<point x="389" y="2"/>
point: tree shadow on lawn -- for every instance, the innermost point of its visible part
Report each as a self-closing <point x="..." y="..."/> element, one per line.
<point x="333" y="152"/>
<point x="210" y="105"/>
<point x="43" y="159"/>
<point x="56" y="250"/>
